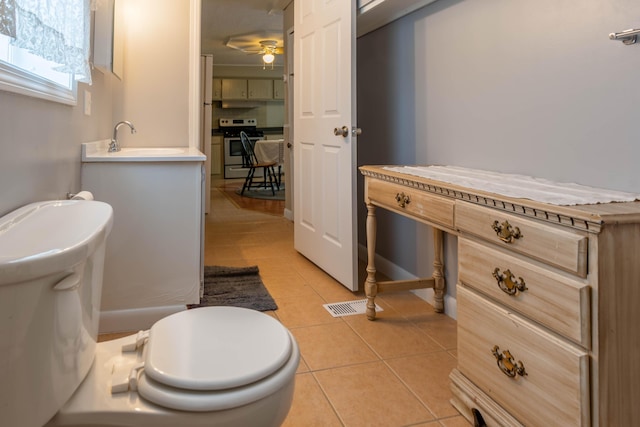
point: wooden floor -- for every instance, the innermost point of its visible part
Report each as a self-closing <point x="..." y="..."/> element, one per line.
<point x="228" y="188"/>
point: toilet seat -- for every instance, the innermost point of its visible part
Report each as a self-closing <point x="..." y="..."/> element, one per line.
<point x="235" y="356"/>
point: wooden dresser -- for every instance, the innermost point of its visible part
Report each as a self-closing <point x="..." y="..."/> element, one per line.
<point x="548" y="300"/>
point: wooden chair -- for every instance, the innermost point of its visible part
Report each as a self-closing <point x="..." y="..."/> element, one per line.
<point x="250" y="161"/>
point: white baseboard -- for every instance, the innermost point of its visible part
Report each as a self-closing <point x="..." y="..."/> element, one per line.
<point x="134" y="319"/>
<point x="288" y="213"/>
<point x="395" y="272"/>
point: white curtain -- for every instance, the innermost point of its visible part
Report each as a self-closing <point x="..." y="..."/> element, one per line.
<point x="56" y="30"/>
<point x="8" y="18"/>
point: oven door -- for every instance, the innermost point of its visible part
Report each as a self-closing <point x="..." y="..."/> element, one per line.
<point x="233" y="158"/>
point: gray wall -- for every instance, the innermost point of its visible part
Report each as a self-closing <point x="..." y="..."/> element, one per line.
<point x="530" y="87"/>
<point x="40" y="143"/>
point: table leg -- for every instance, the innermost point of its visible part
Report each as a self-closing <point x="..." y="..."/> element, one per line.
<point x="370" y="286"/>
<point x="438" y="270"/>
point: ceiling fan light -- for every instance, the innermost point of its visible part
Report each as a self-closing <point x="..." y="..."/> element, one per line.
<point x="268" y="58"/>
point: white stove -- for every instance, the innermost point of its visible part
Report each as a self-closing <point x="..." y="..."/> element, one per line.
<point x="232" y="144"/>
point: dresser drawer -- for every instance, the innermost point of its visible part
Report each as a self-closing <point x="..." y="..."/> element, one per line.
<point x="563" y="249"/>
<point x="551" y="299"/>
<point x="553" y="390"/>
<point x="412" y="202"/>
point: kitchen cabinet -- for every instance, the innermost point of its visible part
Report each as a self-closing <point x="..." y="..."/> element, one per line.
<point x="260" y="89"/>
<point x="248" y="89"/>
<point x="216" y="93"/>
<point x="234" y="89"/>
<point x="278" y="89"/>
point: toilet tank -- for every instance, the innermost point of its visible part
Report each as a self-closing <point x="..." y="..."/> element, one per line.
<point x="51" y="264"/>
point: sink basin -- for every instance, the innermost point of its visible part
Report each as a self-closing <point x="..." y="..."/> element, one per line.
<point x="98" y="151"/>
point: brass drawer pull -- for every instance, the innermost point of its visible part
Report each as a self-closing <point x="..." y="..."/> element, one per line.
<point x="402" y="199"/>
<point x="505" y="232"/>
<point x="506" y="364"/>
<point x="507" y="282"/>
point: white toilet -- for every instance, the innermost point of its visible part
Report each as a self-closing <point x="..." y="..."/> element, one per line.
<point x="222" y="366"/>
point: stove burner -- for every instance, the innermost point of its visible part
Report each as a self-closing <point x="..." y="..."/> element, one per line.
<point x="231" y="128"/>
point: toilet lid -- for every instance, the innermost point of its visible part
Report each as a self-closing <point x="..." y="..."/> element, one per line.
<point x="215" y="348"/>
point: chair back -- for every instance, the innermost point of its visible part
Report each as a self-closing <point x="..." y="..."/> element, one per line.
<point x="248" y="155"/>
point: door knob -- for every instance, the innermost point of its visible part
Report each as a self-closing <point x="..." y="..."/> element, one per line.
<point x="343" y="131"/>
<point x="356" y="131"/>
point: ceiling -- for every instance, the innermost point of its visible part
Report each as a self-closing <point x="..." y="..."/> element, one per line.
<point x="246" y="22"/>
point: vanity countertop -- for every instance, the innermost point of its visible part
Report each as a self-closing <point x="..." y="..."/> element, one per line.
<point x="97" y="152"/>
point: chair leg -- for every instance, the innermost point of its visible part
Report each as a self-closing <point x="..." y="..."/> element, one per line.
<point x="247" y="181"/>
<point x="279" y="176"/>
<point x="269" y="176"/>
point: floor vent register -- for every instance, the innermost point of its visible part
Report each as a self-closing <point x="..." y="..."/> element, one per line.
<point x="349" y="308"/>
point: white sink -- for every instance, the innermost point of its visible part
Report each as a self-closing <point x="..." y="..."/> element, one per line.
<point x="98" y="151"/>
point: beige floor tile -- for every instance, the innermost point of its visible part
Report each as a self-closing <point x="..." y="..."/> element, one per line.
<point x="302" y="366"/>
<point x="331" y="345"/>
<point x="392" y="335"/>
<point x="332" y="291"/>
<point x="442" y="328"/>
<point x="310" y="406"/>
<point x="406" y="303"/>
<point x="427" y="375"/>
<point x="296" y="312"/>
<point x="457" y="421"/>
<point x="371" y="395"/>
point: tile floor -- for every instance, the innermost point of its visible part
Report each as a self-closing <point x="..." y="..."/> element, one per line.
<point x="353" y="372"/>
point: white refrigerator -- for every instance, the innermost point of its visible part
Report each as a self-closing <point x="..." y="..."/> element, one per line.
<point x="206" y="99"/>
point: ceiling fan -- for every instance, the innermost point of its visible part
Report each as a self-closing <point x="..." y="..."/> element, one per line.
<point x="269" y="50"/>
<point x="268" y="47"/>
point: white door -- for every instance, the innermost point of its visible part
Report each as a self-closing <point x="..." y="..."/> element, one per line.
<point x="325" y="163"/>
<point x="206" y="95"/>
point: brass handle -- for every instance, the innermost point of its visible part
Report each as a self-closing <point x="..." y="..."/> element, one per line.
<point x="402" y="199"/>
<point x="343" y="131"/>
<point x="505" y="232"/>
<point x="507" y="282"/>
<point x="506" y="364"/>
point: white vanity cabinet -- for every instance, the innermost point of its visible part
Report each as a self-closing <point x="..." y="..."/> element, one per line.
<point x="154" y="254"/>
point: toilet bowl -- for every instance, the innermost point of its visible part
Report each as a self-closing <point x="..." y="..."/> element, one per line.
<point x="222" y="366"/>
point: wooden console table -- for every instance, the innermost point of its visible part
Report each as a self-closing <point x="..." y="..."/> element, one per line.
<point x="547" y="297"/>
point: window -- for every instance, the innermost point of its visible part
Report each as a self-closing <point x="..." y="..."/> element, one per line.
<point x="44" y="47"/>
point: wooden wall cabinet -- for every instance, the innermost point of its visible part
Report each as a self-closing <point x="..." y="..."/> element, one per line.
<point x="247" y="89"/>
<point x="278" y="89"/>
<point x="260" y="89"/>
<point x="234" y="89"/>
<point x="216" y="93"/>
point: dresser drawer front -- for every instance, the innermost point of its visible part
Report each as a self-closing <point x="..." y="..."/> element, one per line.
<point x="551" y="299"/>
<point x="563" y="249"/>
<point x="415" y="203"/>
<point x="554" y="390"/>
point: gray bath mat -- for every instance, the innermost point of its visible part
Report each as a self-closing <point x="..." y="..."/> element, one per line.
<point x="235" y="286"/>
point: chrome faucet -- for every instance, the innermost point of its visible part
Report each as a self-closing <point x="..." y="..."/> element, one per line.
<point x="114" y="146"/>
